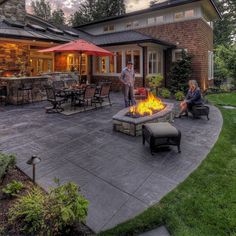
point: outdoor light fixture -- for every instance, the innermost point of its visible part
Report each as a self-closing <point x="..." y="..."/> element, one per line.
<point x="33" y="161"/>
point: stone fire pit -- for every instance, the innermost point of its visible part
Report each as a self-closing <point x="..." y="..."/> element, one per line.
<point x="133" y="126"/>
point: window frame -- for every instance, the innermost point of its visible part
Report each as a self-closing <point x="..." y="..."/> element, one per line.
<point x="178" y="50"/>
<point x="159" y="59"/>
<point x="210" y="65"/>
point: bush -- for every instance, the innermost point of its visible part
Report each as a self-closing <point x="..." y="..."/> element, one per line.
<point x="28" y="213"/>
<point x="165" y="93"/>
<point x="154" y="81"/>
<point x="179" y="96"/>
<point x="180" y="73"/>
<point x="13" y="188"/>
<point x="65" y="208"/>
<point x="49" y="214"/>
<point x="6" y="162"/>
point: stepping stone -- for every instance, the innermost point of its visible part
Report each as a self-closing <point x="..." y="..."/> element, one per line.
<point x="161" y="231"/>
<point x="229" y="107"/>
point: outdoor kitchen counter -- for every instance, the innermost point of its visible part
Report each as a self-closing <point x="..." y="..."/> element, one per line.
<point x="14" y="83"/>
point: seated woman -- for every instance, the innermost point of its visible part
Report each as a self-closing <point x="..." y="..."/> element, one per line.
<point x="192" y="98"/>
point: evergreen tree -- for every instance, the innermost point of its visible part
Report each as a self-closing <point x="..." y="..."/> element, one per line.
<point x="225" y="29"/>
<point x="58" y="17"/>
<point x="92" y="10"/>
<point x="153" y="3"/>
<point x="42" y="8"/>
<point x="180" y="73"/>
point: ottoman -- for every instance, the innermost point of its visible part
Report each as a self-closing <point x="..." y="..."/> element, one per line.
<point x="200" y="110"/>
<point x="161" y="134"/>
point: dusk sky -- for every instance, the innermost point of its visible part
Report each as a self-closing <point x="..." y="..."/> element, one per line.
<point x="70" y="5"/>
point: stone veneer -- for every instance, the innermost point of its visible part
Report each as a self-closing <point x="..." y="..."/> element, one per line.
<point x="133" y="126"/>
<point x="13" y="10"/>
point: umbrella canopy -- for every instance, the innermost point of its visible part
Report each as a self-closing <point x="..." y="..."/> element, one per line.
<point x="79" y="46"/>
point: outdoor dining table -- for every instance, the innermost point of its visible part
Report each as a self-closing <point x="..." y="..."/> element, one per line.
<point x="73" y="93"/>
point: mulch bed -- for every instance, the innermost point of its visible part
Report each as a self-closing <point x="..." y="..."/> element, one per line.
<point x="6" y="203"/>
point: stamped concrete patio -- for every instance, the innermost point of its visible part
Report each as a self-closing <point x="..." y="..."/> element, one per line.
<point x="115" y="172"/>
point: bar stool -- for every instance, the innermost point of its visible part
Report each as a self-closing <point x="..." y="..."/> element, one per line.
<point x="3" y="94"/>
<point x="24" y="93"/>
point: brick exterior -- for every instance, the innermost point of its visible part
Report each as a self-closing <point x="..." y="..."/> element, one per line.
<point x="194" y="35"/>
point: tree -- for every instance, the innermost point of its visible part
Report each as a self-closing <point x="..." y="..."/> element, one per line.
<point x="92" y="10"/>
<point x="84" y="14"/>
<point x="180" y="73"/>
<point x="58" y="17"/>
<point x="153" y="3"/>
<point x="42" y="8"/>
<point x="225" y="29"/>
<point x="108" y="8"/>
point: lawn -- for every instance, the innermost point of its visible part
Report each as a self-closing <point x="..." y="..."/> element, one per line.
<point x="205" y="203"/>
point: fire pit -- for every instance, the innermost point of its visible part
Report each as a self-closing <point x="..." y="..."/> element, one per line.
<point x="131" y="119"/>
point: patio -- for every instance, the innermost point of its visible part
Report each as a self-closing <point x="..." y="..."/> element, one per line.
<point x="115" y="172"/>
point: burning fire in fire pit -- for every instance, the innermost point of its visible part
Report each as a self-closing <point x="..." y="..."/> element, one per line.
<point x="149" y="106"/>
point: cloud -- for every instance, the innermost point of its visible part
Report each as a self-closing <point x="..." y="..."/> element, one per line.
<point x="70" y="6"/>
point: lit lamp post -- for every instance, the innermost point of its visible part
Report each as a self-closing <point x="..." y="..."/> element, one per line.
<point x="33" y="161"/>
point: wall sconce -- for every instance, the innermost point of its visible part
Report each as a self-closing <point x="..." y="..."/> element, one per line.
<point x="33" y="161"/>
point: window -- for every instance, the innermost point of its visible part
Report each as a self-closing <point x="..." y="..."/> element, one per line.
<point x="177" y="54"/>
<point x="152" y="63"/>
<point x="104" y="65"/>
<point x="159" y="19"/>
<point x="189" y="13"/>
<point x="179" y="15"/>
<point x="210" y="65"/>
<point x="151" y="20"/>
<point x="109" y="28"/>
<point x="134" y="56"/>
<point x="97" y="65"/>
<point x="73" y="62"/>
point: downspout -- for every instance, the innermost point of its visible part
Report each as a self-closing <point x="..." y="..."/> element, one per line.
<point x="144" y="74"/>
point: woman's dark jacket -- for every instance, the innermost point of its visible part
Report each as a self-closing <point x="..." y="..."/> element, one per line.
<point x="194" y="97"/>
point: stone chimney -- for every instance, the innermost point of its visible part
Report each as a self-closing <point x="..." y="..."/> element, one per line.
<point x="13" y="10"/>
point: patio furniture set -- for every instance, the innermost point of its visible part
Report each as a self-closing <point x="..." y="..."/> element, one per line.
<point x="81" y="95"/>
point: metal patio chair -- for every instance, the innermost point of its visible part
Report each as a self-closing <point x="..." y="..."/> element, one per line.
<point x="55" y="100"/>
<point x="104" y="93"/>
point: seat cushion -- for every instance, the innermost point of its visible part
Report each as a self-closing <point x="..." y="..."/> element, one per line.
<point x="161" y="130"/>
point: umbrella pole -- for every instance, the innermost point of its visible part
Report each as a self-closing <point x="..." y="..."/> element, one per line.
<point x="80" y="67"/>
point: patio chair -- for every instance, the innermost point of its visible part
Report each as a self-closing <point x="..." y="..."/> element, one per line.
<point x="58" y="86"/>
<point x="55" y="100"/>
<point x="88" y="96"/>
<point x="104" y="93"/>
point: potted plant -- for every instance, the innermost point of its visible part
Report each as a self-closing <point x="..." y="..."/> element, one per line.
<point x="154" y="82"/>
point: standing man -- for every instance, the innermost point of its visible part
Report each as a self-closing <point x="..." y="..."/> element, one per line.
<point x="127" y="77"/>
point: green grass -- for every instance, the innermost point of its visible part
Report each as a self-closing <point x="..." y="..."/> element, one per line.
<point x="205" y="203"/>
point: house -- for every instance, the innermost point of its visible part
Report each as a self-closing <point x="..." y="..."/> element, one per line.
<point x="152" y="38"/>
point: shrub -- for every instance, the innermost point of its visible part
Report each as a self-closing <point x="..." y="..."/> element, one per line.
<point x="165" y="93"/>
<point x="6" y="162"/>
<point x="180" y="73"/>
<point x="65" y="208"/>
<point x="154" y="82"/>
<point x="49" y="214"/>
<point x="13" y="188"/>
<point x="28" y="213"/>
<point x="179" y="96"/>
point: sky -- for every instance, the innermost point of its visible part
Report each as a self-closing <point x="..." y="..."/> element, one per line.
<point x="69" y="6"/>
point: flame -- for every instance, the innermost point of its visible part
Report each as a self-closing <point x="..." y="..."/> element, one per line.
<point x="148" y="106"/>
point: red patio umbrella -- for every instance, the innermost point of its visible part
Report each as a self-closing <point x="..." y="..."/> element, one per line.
<point x="79" y="46"/>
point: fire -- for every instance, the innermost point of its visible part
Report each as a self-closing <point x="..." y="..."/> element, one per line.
<point x="147" y="107"/>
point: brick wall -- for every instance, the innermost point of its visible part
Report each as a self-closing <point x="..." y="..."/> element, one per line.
<point x="194" y="35"/>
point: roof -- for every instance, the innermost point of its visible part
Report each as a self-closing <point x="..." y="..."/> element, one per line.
<point x="159" y="6"/>
<point x="36" y="28"/>
<point x="127" y="37"/>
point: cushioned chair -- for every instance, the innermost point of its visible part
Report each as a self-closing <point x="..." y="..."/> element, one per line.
<point x="161" y="134"/>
